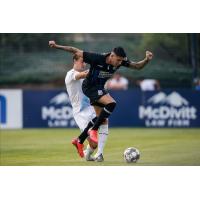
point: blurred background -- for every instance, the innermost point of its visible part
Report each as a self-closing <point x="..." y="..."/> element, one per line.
<point x="28" y="62"/>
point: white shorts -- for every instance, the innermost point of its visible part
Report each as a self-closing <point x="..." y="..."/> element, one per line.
<point x="84" y="117"/>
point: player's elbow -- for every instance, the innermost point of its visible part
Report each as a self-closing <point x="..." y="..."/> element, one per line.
<point x="139" y="67"/>
<point x="78" y="53"/>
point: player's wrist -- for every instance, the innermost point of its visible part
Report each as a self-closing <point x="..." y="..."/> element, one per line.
<point x="55" y="46"/>
<point x="146" y="60"/>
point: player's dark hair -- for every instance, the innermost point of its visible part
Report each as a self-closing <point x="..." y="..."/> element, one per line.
<point x="119" y="51"/>
<point x="76" y="57"/>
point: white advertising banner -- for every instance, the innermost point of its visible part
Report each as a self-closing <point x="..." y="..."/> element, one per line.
<point x="11" y="108"/>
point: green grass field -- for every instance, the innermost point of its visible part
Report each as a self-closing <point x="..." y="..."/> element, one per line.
<point x="52" y="147"/>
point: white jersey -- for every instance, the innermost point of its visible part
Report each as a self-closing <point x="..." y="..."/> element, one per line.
<point x="82" y="110"/>
<point x="74" y="88"/>
<point x="148" y="85"/>
<point x="123" y="82"/>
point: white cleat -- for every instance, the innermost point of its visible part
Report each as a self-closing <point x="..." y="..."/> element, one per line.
<point x="99" y="158"/>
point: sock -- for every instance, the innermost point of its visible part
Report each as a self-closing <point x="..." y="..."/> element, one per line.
<point x="89" y="149"/>
<point x="88" y="152"/>
<point x="82" y="137"/>
<point x="105" y="113"/>
<point x="103" y="134"/>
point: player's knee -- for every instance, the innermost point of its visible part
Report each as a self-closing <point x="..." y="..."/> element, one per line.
<point x="111" y="106"/>
<point x="105" y="121"/>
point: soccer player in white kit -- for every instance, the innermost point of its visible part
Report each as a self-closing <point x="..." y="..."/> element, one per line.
<point x="83" y="112"/>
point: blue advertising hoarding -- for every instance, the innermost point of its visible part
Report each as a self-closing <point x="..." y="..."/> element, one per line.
<point x="11" y="101"/>
<point x="166" y="108"/>
<point x="47" y="108"/>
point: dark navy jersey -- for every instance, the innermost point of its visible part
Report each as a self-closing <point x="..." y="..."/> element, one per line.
<point x="100" y="71"/>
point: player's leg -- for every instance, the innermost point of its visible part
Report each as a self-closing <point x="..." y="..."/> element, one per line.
<point x="82" y="120"/>
<point x="102" y="136"/>
<point x="88" y="153"/>
<point x="109" y="107"/>
<point x="78" y="143"/>
<point x="101" y="97"/>
<point x="90" y="114"/>
<point x="93" y="135"/>
<point x="84" y="134"/>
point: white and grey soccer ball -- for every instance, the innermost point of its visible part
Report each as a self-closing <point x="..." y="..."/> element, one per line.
<point x="131" y="155"/>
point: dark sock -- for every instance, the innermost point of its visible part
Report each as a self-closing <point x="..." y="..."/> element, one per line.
<point x="82" y="137"/>
<point x="105" y="113"/>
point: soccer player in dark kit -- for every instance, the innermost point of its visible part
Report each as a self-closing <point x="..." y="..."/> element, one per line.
<point x="102" y="67"/>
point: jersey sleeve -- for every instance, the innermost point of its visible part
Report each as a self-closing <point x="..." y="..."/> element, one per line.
<point x="91" y="58"/>
<point x="71" y="76"/>
<point x="126" y="63"/>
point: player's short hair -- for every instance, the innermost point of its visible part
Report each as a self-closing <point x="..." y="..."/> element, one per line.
<point x="119" y="51"/>
<point x="75" y="57"/>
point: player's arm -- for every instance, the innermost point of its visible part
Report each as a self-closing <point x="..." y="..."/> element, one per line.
<point x="139" y="65"/>
<point x="81" y="75"/>
<point x="69" y="49"/>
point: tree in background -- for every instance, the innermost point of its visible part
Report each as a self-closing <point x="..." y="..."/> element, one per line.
<point x="167" y="46"/>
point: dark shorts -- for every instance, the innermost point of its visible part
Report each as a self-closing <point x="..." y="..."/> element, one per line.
<point x="93" y="92"/>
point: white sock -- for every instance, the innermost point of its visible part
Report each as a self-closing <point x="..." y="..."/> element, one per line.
<point x="88" y="152"/>
<point x="89" y="149"/>
<point x="102" y="137"/>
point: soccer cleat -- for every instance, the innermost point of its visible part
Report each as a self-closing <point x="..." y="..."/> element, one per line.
<point x="93" y="136"/>
<point x="99" y="158"/>
<point x="79" y="147"/>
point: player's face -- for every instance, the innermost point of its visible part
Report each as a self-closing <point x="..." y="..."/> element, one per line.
<point x="80" y="65"/>
<point x="115" y="60"/>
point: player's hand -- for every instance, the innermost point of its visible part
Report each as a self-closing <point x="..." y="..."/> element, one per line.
<point x="52" y="44"/>
<point x="85" y="72"/>
<point x="149" y="55"/>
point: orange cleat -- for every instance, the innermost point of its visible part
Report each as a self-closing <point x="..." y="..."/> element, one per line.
<point x="93" y="135"/>
<point x="78" y="146"/>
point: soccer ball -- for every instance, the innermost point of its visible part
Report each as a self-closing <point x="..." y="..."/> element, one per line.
<point x="131" y="154"/>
